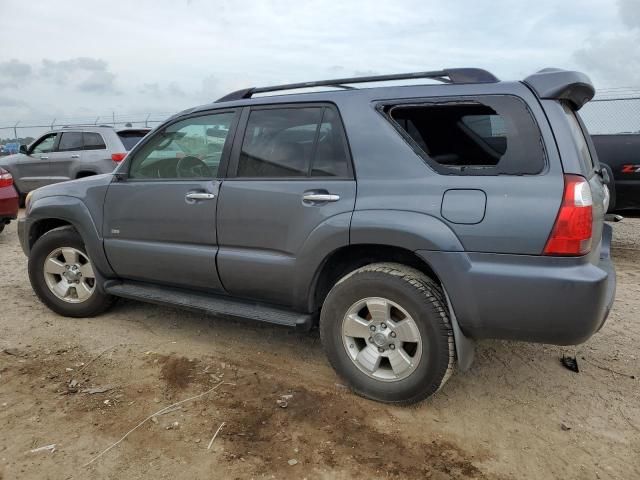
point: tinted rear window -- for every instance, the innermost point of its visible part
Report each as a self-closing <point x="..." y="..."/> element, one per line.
<point x="93" y="141"/>
<point x="487" y="135"/>
<point x="70" y="142"/>
<point x="130" y="139"/>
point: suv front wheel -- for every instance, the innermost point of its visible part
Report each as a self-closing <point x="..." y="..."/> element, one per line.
<point x="385" y="328"/>
<point x="62" y="275"/>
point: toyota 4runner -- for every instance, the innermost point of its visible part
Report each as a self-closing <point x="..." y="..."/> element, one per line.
<point x="405" y="221"/>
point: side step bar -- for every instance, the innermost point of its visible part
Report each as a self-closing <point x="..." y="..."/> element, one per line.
<point x="209" y="303"/>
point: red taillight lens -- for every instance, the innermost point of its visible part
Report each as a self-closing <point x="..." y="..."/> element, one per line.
<point x="118" y="157"/>
<point x="6" y="180"/>
<point x="571" y="234"/>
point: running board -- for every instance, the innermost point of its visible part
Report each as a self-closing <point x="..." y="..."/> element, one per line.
<point x="209" y="303"/>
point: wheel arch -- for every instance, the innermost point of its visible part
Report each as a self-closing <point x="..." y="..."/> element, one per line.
<point x="48" y="213"/>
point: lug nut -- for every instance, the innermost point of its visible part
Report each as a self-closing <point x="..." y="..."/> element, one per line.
<point x="393" y="334"/>
<point x="372" y="328"/>
<point x="370" y="339"/>
<point x="383" y="326"/>
<point x="392" y="346"/>
<point x="381" y="350"/>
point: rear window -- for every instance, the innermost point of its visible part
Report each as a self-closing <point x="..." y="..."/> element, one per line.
<point x="131" y="138"/>
<point x="93" y="141"/>
<point x="578" y="136"/>
<point x="484" y="136"/>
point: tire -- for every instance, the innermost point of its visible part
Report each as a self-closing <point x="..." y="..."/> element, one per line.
<point x="411" y="295"/>
<point x="2" y="225"/>
<point x="84" y="304"/>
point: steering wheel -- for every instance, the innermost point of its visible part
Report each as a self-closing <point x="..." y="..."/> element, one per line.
<point x="192" y="167"/>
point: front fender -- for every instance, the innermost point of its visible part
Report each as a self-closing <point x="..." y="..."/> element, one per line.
<point x="75" y="212"/>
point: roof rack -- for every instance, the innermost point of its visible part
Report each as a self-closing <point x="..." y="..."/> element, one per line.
<point x="449" y="75"/>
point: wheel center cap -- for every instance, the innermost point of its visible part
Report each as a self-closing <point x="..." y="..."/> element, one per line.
<point x="380" y="339"/>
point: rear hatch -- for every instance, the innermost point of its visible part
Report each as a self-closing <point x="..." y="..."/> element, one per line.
<point x="592" y="171"/>
<point x="131" y="136"/>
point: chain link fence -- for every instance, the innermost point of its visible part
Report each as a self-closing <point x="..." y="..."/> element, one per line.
<point x="19" y="129"/>
<point x="607" y="116"/>
<point x="613" y="111"/>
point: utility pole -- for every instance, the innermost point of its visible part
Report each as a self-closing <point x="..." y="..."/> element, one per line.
<point x="15" y="131"/>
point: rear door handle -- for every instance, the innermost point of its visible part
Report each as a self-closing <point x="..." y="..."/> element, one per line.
<point x="75" y="156"/>
<point x="193" y="196"/>
<point x="44" y="158"/>
<point x="320" y="197"/>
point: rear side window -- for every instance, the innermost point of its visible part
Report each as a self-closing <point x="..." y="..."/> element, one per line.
<point x="293" y="142"/>
<point x="70" y="142"/>
<point x="485" y="136"/>
<point x="131" y="138"/>
<point x="93" y="141"/>
<point x="578" y="136"/>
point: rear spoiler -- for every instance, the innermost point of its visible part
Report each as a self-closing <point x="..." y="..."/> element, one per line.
<point x="557" y="84"/>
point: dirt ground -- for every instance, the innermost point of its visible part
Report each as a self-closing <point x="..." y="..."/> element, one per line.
<point x="516" y="414"/>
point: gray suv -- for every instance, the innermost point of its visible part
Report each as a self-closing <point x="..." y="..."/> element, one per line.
<point x="405" y="221"/>
<point x="68" y="153"/>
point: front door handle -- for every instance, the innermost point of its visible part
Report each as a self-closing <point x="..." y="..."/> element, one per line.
<point x="200" y="196"/>
<point x="320" y="197"/>
<point x="75" y="156"/>
<point x="44" y="158"/>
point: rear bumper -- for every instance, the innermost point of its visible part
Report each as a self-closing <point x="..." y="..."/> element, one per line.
<point x="561" y="301"/>
<point x="8" y="203"/>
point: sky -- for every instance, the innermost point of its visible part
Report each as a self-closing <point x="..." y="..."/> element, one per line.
<point x="80" y="61"/>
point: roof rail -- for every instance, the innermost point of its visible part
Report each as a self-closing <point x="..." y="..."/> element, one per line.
<point x="76" y="125"/>
<point x="449" y="75"/>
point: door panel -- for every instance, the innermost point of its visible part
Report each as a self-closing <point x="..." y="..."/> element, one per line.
<point x="67" y="153"/>
<point x="265" y="225"/>
<point x="153" y="233"/>
<point x="160" y="222"/>
<point x="33" y="169"/>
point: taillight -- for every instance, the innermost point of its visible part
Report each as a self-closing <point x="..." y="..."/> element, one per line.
<point x="571" y="234"/>
<point x="6" y="180"/>
<point x="118" y="157"/>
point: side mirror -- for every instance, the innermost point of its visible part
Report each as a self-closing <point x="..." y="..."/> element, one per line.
<point x="23" y="149"/>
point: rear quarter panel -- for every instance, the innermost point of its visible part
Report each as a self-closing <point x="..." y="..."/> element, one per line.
<point x="520" y="210"/>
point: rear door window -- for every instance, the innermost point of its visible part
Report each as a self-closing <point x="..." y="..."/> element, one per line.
<point x="93" y="141"/>
<point x="70" y="142"/>
<point x="487" y="135"/>
<point x="293" y="142"/>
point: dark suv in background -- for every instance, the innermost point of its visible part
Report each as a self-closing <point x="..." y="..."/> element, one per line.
<point x="407" y="221"/>
<point x="68" y="153"/>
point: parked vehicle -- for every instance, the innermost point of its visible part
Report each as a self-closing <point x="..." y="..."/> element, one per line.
<point x="69" y="153"/>
<point x="8" y="199"/>
<point x="406" y="221"/>
<point x="620" y="155"/>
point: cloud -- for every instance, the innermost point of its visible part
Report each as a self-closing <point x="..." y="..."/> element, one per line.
<point x="13" y="73"/>
<point x="630" y="12"/>
<point x="90" y="75"/>
<point x="612" y="57"/>
<point x="98" y="82"/>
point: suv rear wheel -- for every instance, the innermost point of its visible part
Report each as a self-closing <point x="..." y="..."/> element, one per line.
<point x="385" y="328"/>
<point x="62" y="275"/>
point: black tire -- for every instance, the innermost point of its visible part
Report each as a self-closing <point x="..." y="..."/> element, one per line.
<point x="67" y="236"/>
<point x="423" y="299"/>
<point x="2" y="225"/>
